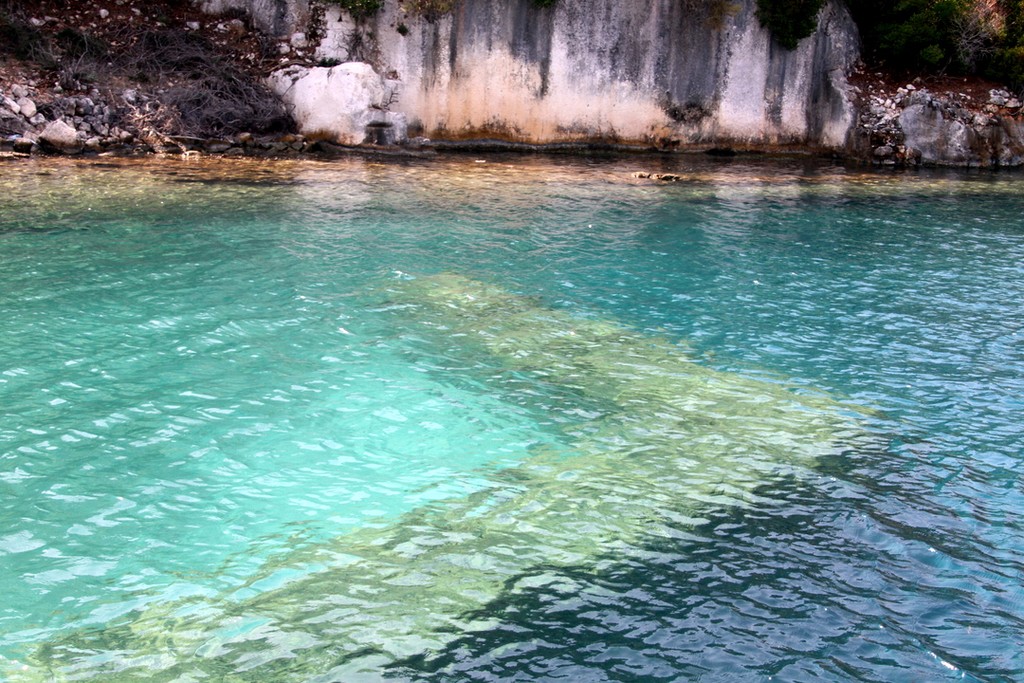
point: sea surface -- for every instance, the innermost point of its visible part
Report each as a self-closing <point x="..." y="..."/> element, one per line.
<point x="510" y="419"/>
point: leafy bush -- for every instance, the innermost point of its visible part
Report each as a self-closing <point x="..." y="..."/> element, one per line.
<point x="945" y="36"/>
<point x="959" y="36"/>
<point x="789" y="21"/>
<point x="1007" y="64"/>
<point x="359" y="9"/>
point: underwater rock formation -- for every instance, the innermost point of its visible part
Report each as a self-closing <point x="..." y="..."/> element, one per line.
<point x="660" y="438"/>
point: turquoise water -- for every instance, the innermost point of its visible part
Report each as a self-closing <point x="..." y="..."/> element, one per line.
<point x="428" y="421"/>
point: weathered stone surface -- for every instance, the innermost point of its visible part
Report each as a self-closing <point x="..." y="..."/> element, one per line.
<point x="61" y="137"/>
<point x="939" y="140"/>
<point x="275" y="17"/>
<point x="23" y="145"/>
<point x="342" y="104"/>
<point x="27" y="107"/>
<point x="644" y="71"/>
<point x="944" y="139"/>
<point x="217" y="146"/>
<point x="937" y="129"/>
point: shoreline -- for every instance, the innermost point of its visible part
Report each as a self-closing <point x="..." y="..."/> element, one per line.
<point x="296" y="147"/>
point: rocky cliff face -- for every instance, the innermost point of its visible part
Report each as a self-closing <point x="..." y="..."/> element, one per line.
<point x="663" y="72"/>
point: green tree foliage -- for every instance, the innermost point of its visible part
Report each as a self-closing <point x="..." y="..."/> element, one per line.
<point x="945" y="36"/>
<point x="789" y="21"/>
<point x="911" y="34"/>
<point x="359" y="9"/>
<point x="1008" y="62"/>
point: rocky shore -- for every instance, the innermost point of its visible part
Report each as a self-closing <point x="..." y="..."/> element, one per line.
<point x="164" y="78"/>
<point x="964" y="124"/>
<point x="91" y="124"/>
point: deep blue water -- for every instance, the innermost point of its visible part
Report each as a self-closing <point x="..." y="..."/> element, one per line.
<point x="222" y="393"/>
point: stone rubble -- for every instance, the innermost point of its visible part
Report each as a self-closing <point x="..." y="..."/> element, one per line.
<point x="913" y="126"/>
<point x="33" y="122"/>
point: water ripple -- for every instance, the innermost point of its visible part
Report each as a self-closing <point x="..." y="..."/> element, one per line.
<point x="214" y="413"/>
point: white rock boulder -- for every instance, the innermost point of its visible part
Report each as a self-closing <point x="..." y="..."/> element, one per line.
<point x="62" y="137"/>
<point x="346" y="104"/>
<point x="27" y="106"/>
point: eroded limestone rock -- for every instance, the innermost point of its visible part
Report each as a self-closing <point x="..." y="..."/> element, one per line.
<point x="346" y="104"/>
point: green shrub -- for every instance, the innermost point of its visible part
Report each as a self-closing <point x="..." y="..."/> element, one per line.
<point x="359" y="9"/>
<point x="1008" y="67"/>
<point x="912" y="34"/>
<point x="789" y="21"/>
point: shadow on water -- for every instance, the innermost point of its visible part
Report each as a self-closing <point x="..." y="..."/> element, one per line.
<point x="655" y="612"/>
<point x="750" y="593"/>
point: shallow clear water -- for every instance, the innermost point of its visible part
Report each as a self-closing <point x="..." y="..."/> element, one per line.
<point x="430" y="421"/>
